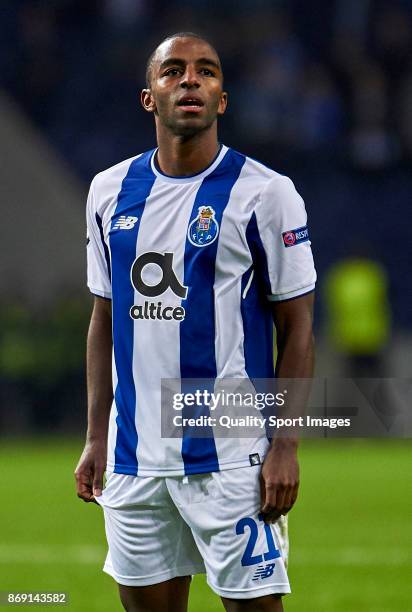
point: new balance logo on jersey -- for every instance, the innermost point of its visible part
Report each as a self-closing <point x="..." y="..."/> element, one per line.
<point x="125" y="223"/>
<point x="264" y="571"/>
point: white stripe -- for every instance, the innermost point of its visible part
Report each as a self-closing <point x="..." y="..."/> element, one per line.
<point x="111" y="444"/>
<point x="281" y="207"/>
<point x="291" y="294"/>
<point x="108" y="185"/>
<point x="246" y="289"/>
<point x="233" y="259"/>
<point x="100" y="293"/>
<point x="159" y="340"/>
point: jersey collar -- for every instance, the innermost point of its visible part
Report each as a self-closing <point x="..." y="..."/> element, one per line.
<point x="193" y="177"/>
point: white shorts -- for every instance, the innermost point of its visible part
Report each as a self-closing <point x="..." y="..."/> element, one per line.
<point x="158" y="528"/>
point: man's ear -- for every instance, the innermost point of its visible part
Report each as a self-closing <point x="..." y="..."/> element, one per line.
<point x="147" y="101"/>
<point x="222" y="103"/>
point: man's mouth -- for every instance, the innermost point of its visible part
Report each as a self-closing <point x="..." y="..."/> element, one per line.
<point x="190" y="104"/>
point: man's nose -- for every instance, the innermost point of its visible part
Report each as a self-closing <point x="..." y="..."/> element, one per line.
<point x="190" y="78"/>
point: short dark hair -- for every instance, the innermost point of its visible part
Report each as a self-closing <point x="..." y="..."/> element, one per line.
<point x="149" y="64"/>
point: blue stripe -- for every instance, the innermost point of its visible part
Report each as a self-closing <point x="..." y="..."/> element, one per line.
<point x="106" y="250"/>
<point x="258" y="254"/>
<point x="257" y="330"/>
<point x="256" y="310"/>
<point x="197" y="330"/>
<point x="257" y="316"/>
<point x="136" y="187"/>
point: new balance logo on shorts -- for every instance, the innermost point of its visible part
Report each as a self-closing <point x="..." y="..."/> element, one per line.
<point x="264" y="571"/>
<point x="125" y="223"/>
<point x="254" y="459"/>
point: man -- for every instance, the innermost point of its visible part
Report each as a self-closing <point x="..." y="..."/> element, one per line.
<point x="193" y="248"/>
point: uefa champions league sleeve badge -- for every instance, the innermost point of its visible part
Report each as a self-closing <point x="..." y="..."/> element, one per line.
<point x="203" y="230"/>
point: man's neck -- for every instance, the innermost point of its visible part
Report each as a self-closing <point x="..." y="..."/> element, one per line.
<point x="179" y="156"/>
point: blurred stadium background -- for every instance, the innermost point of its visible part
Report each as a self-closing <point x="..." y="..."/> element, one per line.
<point x="321" y="91"/>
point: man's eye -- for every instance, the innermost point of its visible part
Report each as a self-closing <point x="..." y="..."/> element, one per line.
<point x="207" y="72"/>
<point x="171" y="72"/>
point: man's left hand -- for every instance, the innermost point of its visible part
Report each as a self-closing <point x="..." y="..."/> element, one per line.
<point x="279" y="480"/>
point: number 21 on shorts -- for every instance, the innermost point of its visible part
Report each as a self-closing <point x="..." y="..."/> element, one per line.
<point x="248" y="557"/>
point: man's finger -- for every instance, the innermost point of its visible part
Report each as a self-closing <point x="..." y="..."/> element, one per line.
<point x="83" y="486"/>
<point x="271" y="517"/>
<point x="85" y="494"/>
<point x="262" y="492"/>
<point x="294" y="494"/>
<point x="291" y="494"/>
<point x="280" y="499"/>
<point x="98" y="481"/>
<point x="289" y="499"/>
<point x="270" y="497"/>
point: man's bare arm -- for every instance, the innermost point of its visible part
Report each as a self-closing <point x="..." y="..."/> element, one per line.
<point x="92" y="464"/>
<point x="294" y="338"/>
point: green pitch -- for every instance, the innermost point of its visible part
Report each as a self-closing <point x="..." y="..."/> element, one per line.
<point x="350" y="532"/>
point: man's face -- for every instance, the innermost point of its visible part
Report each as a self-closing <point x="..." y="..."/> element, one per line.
<point x="186" y="86"/>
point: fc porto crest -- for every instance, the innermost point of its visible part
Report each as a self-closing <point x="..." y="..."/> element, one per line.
<point x="204" y="229"/>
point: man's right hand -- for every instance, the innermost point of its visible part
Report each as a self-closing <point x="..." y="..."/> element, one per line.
<point x="90" y="470"/>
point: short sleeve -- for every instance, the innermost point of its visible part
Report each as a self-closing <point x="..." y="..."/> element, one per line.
<point x="98" y="256"/>
<point x="283" y="241"/>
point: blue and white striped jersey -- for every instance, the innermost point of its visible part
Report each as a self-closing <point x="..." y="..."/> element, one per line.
<point x="191" y="265"/>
